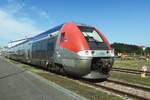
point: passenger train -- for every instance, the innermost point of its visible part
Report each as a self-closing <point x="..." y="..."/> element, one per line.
<point x="76" y="49"/>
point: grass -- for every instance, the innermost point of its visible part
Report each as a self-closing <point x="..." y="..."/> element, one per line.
<point x="136" y="79"/>
<point x="83" y="90"/>
<point x="133" y="64"/>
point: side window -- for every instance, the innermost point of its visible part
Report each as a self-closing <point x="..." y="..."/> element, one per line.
<point x="62" y="37"/>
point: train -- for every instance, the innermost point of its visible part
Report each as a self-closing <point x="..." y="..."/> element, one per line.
<point x="76" y="49"/>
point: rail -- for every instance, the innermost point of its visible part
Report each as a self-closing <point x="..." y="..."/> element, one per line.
<point x="121" y="92"/>
<point x="132" y="71"/>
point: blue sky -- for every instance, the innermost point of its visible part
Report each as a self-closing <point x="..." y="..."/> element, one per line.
<point x="126" y="21"/>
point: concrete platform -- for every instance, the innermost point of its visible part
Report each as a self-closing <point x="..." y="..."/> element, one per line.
<point x="19" y="84"/>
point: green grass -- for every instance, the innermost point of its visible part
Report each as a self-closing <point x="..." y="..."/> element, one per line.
<point x="83" y="90"/>
<point x="133" y="64"/>
<point x="136" y="79"/>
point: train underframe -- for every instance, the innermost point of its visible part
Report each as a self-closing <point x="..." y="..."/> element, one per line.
<point x="100" y="68"/>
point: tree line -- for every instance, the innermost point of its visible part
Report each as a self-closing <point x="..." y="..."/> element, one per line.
<point x="127" y="48"/>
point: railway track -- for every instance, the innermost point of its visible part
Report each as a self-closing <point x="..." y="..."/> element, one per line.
<point x="132" y="71"/>
<point x="126" y="89"/>
<point x="144" y="88"/>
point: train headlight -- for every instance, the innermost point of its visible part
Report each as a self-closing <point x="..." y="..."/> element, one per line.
<point x="85" y="53"/>
<point x="112" y="53"/>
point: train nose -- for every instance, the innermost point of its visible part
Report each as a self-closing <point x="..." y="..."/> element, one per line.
<point x="101" y="65"/>
<point x="106" y="68"/>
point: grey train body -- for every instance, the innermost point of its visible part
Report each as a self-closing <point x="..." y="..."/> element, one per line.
<point x="71" y="63"/>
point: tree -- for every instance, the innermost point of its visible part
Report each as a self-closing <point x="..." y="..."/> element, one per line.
<point x="147" y="50"/>
<point x="126" y="48"/>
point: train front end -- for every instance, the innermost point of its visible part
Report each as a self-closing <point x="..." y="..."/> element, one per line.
<point x="87" y="53"/>
<point x="100" y="52"/>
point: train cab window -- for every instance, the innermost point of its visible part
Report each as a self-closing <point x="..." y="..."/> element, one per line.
<point x="91" y="34"/>
<point x="62" y="37"/>
<point x="93" y="38"/>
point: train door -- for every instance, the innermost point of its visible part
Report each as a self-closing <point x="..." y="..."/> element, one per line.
<point x="28" y="52"/>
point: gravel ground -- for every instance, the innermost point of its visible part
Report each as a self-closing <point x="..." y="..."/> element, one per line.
<point x="126" y="89"/>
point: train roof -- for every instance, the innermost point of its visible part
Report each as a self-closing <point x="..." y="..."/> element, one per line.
<point x="55" y="29"/>
<point x="41" y="35"/>
<point x="82" y="24"/>
<point x="44" y="34"/>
